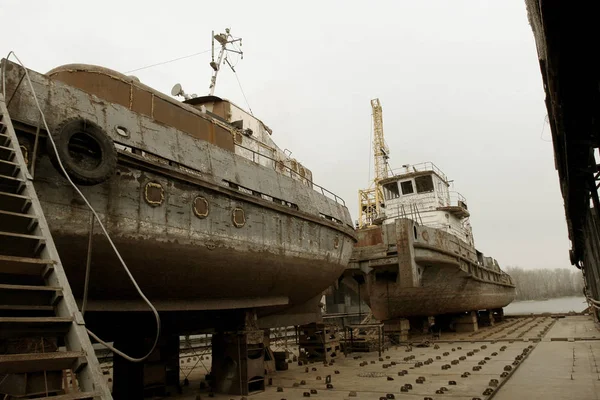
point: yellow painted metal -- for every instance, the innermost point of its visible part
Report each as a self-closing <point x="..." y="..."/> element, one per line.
<point x="370" y="201"/>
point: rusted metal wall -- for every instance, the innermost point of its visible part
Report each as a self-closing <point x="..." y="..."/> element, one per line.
<point x="129" y="93"/>
<point x="571" y="81"/>
<point x="214" y="163"/>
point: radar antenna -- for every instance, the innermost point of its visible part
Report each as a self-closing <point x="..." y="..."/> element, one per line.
<point x="226" y="40"/>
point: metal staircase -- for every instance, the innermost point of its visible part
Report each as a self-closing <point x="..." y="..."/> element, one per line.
<point x="42" y="332"/>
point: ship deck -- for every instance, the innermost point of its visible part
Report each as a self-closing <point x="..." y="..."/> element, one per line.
<point x="544" y="356"/>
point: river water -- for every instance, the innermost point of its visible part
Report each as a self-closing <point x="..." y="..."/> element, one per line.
<point x="559" y="305"/>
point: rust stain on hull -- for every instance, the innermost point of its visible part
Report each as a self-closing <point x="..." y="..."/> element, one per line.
<point x="422" y="271"/>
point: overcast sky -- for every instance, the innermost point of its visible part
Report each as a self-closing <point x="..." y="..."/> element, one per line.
<point x="459" y="83"/>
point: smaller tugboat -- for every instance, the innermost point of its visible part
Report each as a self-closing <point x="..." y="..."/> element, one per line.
<point x="415" y="254"/>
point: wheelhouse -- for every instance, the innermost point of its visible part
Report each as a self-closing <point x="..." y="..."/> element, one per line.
<point x="421" y="192"/>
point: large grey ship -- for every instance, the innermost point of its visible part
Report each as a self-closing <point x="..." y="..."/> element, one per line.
<point x="206" y="210"/>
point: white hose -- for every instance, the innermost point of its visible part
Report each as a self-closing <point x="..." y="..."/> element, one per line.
<point x="135" y="284"/>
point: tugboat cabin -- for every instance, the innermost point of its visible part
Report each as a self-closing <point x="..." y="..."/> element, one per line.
<point x="421" y="192"/>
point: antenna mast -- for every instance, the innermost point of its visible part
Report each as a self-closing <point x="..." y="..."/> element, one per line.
<point x="224" y="40"/>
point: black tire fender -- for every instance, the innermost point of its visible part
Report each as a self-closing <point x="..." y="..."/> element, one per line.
<point x="86" y="152"/>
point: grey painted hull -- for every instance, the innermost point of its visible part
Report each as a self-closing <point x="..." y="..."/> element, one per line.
<point x="182" y="262"/>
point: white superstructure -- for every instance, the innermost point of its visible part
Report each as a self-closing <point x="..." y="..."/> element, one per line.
<point x="421" y="192"/>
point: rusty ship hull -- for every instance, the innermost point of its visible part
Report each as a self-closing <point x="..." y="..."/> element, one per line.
<point x="200" y="226"/>
<point x="183" y="262"/>
<point x="410" y="270"/>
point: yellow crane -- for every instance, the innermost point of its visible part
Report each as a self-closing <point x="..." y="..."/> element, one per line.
<point x="371" y="200"/>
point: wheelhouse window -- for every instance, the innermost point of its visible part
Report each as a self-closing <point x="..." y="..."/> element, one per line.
<point x="407" y="187"/>
<point x="391" y="191"/>
<point x="424" y="184"/>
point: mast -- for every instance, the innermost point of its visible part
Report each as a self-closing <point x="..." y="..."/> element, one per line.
<point x="225" y="40"/>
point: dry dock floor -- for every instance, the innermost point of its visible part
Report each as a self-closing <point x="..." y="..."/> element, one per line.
<point x="533" y="357"/>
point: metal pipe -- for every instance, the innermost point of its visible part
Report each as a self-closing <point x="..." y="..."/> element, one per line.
<point x="35" y="149"/>
<point x="88" y="265"/>
<point x="15" y="92"/>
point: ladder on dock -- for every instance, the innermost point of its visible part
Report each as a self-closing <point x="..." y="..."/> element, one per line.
<point x="42" y="332"/>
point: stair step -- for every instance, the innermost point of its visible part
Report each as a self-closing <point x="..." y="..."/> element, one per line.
<point x="7" y="153"/>
<point x="27" y="327"/>
<point x="11" y="184"/>
<point x="23" y="306"/>
<point x="9" y="168"/>
<point x="25" y="266"/>
<point x="72" y="396"/>
<point x="29" y="294"/>
<point x="22" y="327"/>
<point x="20" y="245"/>
<point x="4" y="138"/>
<point x="37" y="362"/>
<point x="14" y="202"/>
<point x="17" y="222"/>
<point x="26" y="311"/>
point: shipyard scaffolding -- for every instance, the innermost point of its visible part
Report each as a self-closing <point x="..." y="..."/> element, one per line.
<point x="45" y="345"/>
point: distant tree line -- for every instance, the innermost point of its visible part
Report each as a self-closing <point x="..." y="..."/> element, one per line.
<point x="539" y="284"/>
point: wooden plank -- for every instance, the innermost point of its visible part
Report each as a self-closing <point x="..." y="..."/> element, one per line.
<point x="24" y="265"/>
<point x="8" y="307"/>
<point x="29" y="294"/>
<point x="4" y="286"/>
<point x="22" y="327"/>
<point x="8" y="168"/>
<point x="4" y="139"/>
<point x="17" y="222"/>
<point x="14" y="202"/>
<point x="21" y="236"/>
<point x="34" y="320"/>
<point x="73" y="396"/>
<point x="37" y="362"/>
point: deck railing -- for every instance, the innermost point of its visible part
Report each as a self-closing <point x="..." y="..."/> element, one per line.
<point x="457" y="199"/>
<point x="279" y="164"/>
<point x="420" y="167"/>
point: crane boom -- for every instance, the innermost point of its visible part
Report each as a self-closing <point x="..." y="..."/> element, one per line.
<point x="371" y="200"/>
<point x="380" y="148"/>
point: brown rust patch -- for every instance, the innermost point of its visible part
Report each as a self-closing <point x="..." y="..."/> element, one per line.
<point x="238" y="138"/>
<point x="115" y="88"/>
<point x="369" y="236"/>
<point x="154" y="194"/>
<point x="200" y="207"/>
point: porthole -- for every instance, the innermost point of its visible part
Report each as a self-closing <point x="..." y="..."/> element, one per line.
<point x="154" y="194"/>
<point x="200" y="207"/>
<point x="238" y="217"/>
<point x="122" y="131"/>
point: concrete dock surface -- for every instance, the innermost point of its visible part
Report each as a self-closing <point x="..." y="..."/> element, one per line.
<point x="526" y="357"/>
<point x="563" y="366"/>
